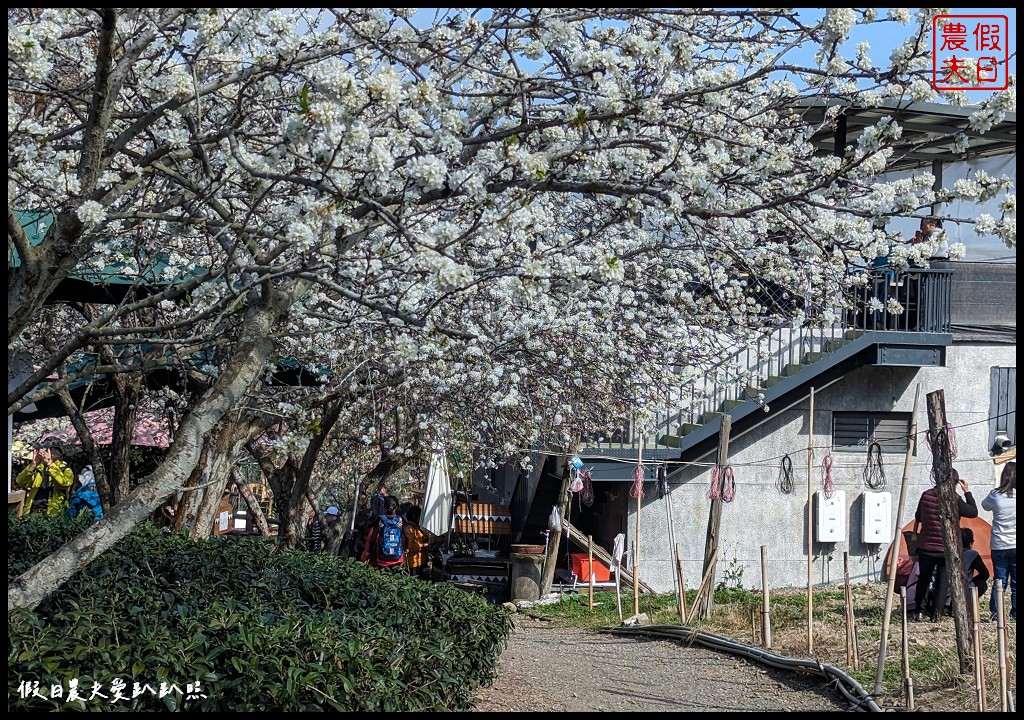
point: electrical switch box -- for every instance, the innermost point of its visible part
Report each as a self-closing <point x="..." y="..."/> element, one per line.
<point x="830" y="518"/>
<point x="877" y="517"/>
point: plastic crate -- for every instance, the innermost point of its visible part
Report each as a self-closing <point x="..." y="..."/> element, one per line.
<point x="581" y="568"/>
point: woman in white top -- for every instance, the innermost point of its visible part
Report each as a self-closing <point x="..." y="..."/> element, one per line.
<point x="1003" y="505"/>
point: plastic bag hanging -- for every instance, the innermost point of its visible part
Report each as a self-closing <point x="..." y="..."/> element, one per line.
<point x="555" y="520"/>
<point x="577" y="482"/>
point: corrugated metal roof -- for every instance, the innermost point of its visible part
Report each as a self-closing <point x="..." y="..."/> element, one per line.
<point x="928" y="130"/>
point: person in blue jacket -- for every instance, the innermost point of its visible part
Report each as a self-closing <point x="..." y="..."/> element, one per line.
<point x="85" y="496"/>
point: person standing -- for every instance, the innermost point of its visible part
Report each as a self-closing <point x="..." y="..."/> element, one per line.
<point x="384" y="547"/>
<point x="417" y="543"/>
<point x="974" y="567"/>
<point x="316" y="535"/>
<point x="379" y="501"/>
<point x="1003" y="506"/>
<point x="931" y="232"/>
<point x="931" y="552"/>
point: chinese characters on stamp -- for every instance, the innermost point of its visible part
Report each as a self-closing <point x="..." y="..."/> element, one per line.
<point x="970" y="52"/>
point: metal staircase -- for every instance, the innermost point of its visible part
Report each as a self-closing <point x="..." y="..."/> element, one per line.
<point x="779" y="368"/>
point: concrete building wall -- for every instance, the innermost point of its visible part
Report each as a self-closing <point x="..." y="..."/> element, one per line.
<point x="762" y="514"/>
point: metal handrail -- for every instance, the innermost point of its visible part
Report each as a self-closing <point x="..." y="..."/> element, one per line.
<point x="921" y="296"/>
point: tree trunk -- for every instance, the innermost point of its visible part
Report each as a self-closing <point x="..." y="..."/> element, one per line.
<point x="259" y="519"/>
<point x="555" y="540"/>
<point x="85" y="437"/>
<point x="949" y="514"/>
<point x="243" y="369"/>
<point x="291" y="482"/>
<point x="126" y="414"/>
<point x="225" y="445"/>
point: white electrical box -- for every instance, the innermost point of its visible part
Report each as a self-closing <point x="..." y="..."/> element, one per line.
<point x="830" y="519"/>
<point x="877" y="517"/>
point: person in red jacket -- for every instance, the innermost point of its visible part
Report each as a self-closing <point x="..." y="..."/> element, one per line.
<point x="384" y="547"/>
<point x="931" y="551"/>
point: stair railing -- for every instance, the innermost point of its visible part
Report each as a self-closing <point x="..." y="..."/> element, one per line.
<point x="924" y="294"/>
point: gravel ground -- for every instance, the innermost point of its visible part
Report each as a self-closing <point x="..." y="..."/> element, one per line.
<point x="548" y="669"/>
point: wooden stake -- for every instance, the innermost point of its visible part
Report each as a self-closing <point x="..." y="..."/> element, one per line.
<point x="706" y="596"/>
<point x="1004" y="689"/>
<point x="908" y="682"/>
<point x="681" y="597"/>
<point x="979" y="656"/>
<point x="849" y="609"/>
<point x="894" y="549"/>
<point x="753" y="625"/>
<point x="766" y="618"/>
<point x="810" y="522"/>
<point x="590" y="567"/>
<point x="636" y="541"/>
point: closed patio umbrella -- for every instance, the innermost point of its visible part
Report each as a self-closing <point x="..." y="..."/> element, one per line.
<point x="437" y="500"/>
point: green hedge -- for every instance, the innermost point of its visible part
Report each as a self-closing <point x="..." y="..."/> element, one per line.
<point x="258" y="628"/>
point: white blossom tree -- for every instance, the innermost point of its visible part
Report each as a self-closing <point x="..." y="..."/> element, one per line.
<point x="531" y="223"/>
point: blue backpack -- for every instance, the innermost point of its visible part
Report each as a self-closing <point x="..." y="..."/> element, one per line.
<point x="390" y="544"/>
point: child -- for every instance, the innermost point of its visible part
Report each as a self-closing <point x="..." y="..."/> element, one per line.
<point x="416" y="543"/>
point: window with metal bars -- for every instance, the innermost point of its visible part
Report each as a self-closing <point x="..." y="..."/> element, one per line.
<point x="854" y="431"/>
<point x="1003" y="405"/>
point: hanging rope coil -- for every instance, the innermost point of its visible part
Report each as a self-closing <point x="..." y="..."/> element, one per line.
<point x="636" y="490"/>
<point x="786" y="481"/>
<point x="714" y="489"/>
<point x="827" y="485"/>
<point x="723" y="484"/>
<point x="728" y="484"/>
<point x="662" y="482"/>
<point x="874" y="470"/>
<point x="587" y="493"/>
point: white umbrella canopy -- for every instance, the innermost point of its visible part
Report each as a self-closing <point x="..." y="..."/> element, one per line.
<point x="437" y="499"/>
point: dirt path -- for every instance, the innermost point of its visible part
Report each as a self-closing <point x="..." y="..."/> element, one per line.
<point x="547" y="669"/>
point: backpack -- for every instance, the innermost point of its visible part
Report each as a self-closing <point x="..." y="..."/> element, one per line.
<point x="389" y="545"/>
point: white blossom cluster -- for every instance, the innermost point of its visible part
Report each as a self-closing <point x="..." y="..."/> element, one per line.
<point x="512" y="227"/>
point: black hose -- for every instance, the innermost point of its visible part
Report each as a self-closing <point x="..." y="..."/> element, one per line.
<point x="853" y="691"/>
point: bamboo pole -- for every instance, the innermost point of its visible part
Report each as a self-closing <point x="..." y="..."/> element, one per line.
<point x="708" y="574"/>
<point x="766" y="618"/>
<point x="677" y="574"/>
<point x="979" y="656"/>
<point x="618" y="592"/>
<point x="681" y="600"/>
<point x="1004" y="690"/>
<point x="636" y="541"/>
<point x="856" y="645"/>
<point x="908" y="682"/>
<point x="849" y="609"/>
<point x="590" y="567"/>
<point x="894" y="549"/>
<point x="810" y="523"/>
